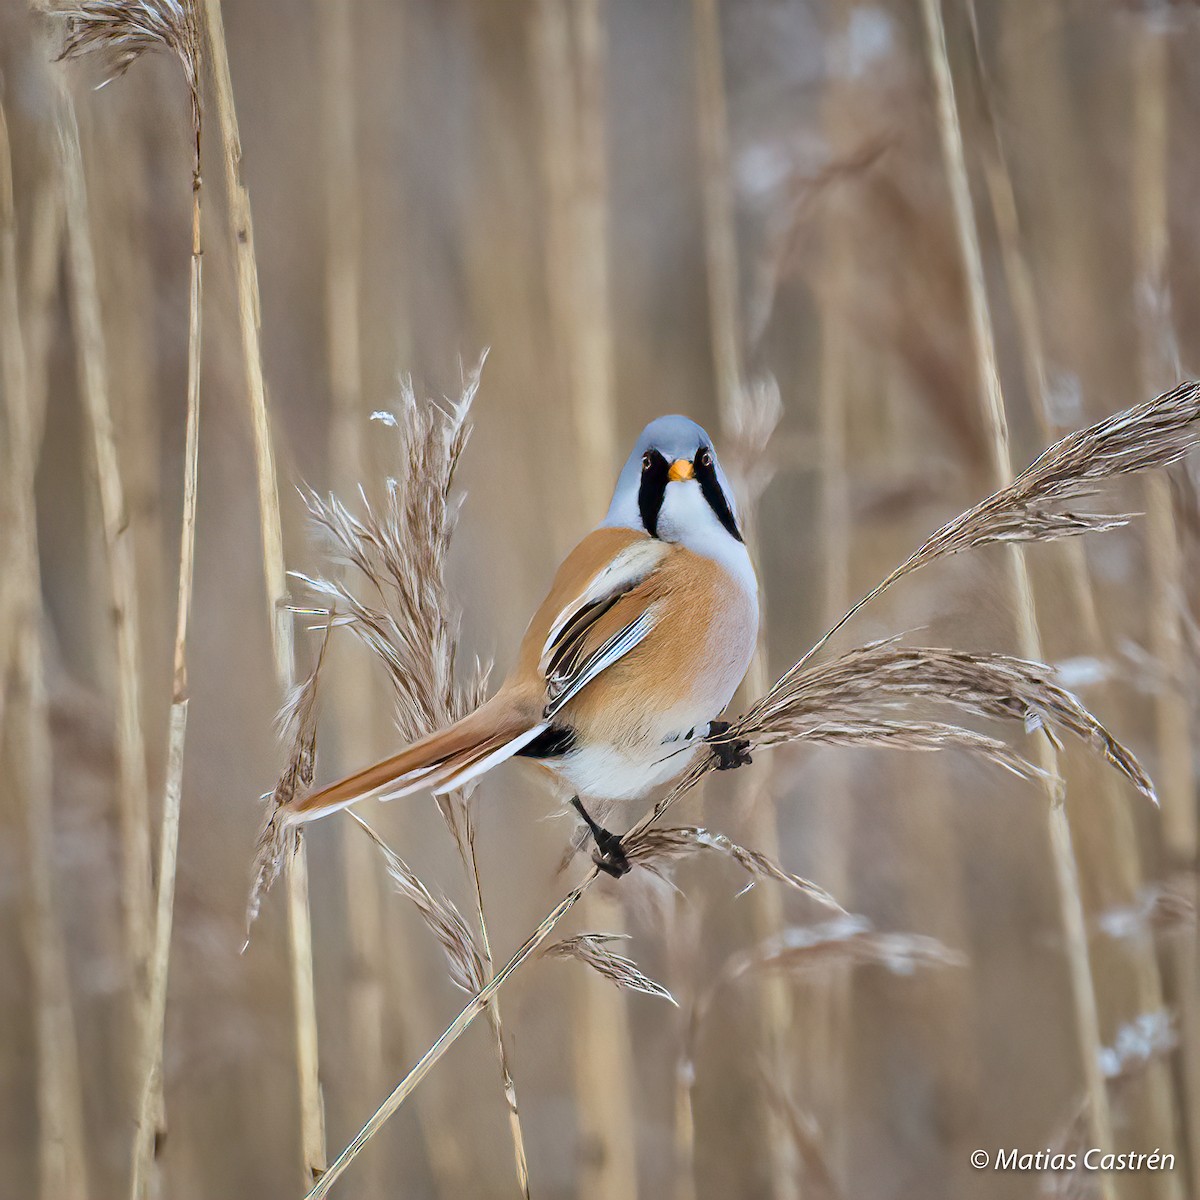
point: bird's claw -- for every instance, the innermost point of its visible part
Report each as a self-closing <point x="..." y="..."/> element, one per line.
<point x="729" y="755"/>
<point x="610" y="855"/>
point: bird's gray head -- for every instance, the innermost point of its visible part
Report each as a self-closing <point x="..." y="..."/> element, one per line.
<point x="672" y="486"/>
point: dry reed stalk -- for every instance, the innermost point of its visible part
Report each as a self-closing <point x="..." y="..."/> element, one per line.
<point x="591" y="354"/>
<point x="46" y="239"/>
<point x="116" y="31"/>
<point x="61" y="1154"/>
<point x="570" y="47"/>
<point x="1160" y="360"/>
<point x="312" y="1117"/>
<point x="122" y="30"/>
<point x="683" y="959"/>
<point x="1119" y="830"/>
<point x="131" y="782"/>
<point x="354" y="698"/>
<point x="747" y="419"/>
<point x="720" y="241"/>
<point x="1029" y="640"/>
<point x="507" y="1083"/>
<point x="550" y="48"/>
<point x="826" y="1008"/>
<point x="1172" y="703"/>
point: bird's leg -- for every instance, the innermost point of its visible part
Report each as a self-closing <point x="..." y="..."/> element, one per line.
<point x="729" y="754"/>
<point x="610" y="856"/>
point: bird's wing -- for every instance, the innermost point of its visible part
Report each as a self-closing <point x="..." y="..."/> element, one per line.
<point x="569" y="635"/>
<point x="575" y="666"/>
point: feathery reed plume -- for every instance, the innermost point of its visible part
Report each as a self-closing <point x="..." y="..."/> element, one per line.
<point x="903" y="734"/>
<point x="851" y="937"/>
<point x="123" y="30"/>
<point x="297" y="726"/>
<point x="440" y="914"/>
<point x="1145" y="437"/>
<point x="399" y="548"/>
<point x="883" y="674"/>
<point x="663" y="845"/>
<point x="312" y="1115"/>
<point x="61" y="1154"/>
<point x="592" y="949"/>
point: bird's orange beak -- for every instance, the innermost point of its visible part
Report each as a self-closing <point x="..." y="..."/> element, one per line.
<point x="680" y="469"/>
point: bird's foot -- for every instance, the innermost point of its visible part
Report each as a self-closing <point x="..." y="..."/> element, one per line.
<point x="610" y="855"/>
<point x="731" y="754"/>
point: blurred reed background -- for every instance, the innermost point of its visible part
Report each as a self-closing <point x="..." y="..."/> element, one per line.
<point x="640" y="208"/>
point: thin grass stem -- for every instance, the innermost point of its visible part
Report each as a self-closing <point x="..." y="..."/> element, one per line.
<point x="150" y="1103"/>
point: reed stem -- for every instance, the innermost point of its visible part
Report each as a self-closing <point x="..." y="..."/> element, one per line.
<point x="733" y="406"/>
<point x="570" y="46"/>
<point x="1028" y="637"/>
<point x="150" y="1110"/>
<point x="131" y="782"/>
<point x="355" y="701"/>
<point x="312" y="1117"/>
<point x="61" y="1152"/>
<point x="1120" y="834"/>
<point x="1172" y="703"/>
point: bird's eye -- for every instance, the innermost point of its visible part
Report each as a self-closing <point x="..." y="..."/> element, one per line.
<point x="647" y="459"/>
<point x="704" y="458"/>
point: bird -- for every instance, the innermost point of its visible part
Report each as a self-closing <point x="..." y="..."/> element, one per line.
<point x="624" y="670"/>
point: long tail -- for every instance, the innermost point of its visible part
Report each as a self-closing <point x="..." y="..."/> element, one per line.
<point x="440" y="762"/>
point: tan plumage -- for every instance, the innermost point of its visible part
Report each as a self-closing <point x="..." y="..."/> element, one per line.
<point x="639" y="644"/>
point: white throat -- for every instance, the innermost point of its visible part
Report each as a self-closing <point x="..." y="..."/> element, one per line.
<point x="686" y="518"/>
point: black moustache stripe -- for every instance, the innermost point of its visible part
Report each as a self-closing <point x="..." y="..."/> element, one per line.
<point x="651" y="490"/>
<point x="710" y="489"/>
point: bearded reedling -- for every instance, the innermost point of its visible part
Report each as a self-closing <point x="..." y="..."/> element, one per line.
<point x="625" y="668"/>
